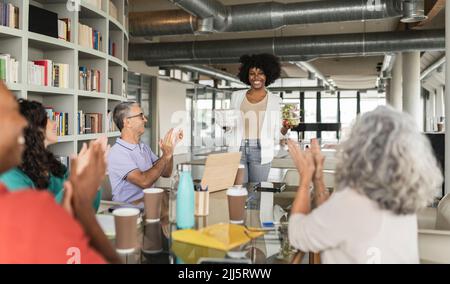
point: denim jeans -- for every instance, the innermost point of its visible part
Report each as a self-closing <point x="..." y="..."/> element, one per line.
<point x="251" y="158"/>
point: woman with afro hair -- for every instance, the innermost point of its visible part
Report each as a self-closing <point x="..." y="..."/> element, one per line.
<point x="257" y="116"/>
<point x="40" y="169"/>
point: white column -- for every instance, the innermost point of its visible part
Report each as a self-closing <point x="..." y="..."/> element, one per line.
<point x="431" y="111"/>
<point x="411" y="87"/>
<point x="395" y="84"/>
<point x="388" y="96"/>
<point x="447" y="99"/>
<point x="439" y="102"/>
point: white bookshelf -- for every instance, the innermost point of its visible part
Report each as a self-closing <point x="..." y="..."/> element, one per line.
<point x="27" y="46"/>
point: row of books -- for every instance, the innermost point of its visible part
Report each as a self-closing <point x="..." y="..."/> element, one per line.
<point x="64" y="29"/>
<point x="61" y="119"/>
<point x="89" y="123"/>
<point x="9" y="69"/>
<point x="89" y="79"/>
<point x="9" y="15"/>
<point x="111" y="48"/>
<point x="89" y="37"/>
<point x="47" y="73"/>
<point x="110" y="125"/>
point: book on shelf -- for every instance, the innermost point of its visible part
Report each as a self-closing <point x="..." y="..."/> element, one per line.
<point x="47" y="73"/>
<point x="89" y="80"/>
<point x="111" y="48"/>
<point x="110" y="125"/>
<point x="113" y="11"/>
<point x="64" y="29"/>
<point x="61" y="119"/>
<point x="9" y="69"/>
<point x="9" y="15"/>
<point x="110" y="85"/>
<point x="89" y="37"/>
<point x="43" y="22"/>
<point x="89" y="123"/>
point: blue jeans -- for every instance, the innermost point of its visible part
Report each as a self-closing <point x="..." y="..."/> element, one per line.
<point x="251" y="158"/>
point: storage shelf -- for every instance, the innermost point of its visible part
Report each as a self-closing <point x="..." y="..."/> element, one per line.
<point x="48" y="43"/>
<point x="90" y="53"/>
<point x="91" y="94"/>
<point x="114" y="134"/>
<point x="66" y="138"/>
<point x="116" y="61"/>
<point x="116" y="25"/>
<point x="15" y="86"/>
<point x="116" y="98"/>
<point x="50" y="90"/>
<point x="84" y="137"/>
<point x="7" y="32"/>
<point x="88" y="11"/>
<point x="25" y="46"/>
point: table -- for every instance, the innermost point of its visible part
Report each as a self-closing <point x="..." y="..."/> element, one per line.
<point x="156" y="246"/>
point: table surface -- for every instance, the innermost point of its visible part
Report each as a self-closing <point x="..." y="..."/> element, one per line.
<point x="157" y="247"/>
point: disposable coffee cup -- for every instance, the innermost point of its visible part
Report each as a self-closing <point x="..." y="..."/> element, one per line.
<point x="125" y="221"/>
<point x="152" y="202"/>
<point x="152" y="238"/>
<point x="236" y="204"/>
<point x="239" y="180"/>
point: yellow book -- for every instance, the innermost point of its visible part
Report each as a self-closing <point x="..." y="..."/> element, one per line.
<point x="223" y="237"/>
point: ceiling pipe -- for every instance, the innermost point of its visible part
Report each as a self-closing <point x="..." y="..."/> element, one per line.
<point x="258" y="16"/>
<point x="363" y="44"/>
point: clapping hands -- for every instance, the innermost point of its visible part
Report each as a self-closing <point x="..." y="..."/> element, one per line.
<point x="309" y="162"/>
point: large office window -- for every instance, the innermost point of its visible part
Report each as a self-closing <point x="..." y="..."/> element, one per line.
<point x="370" y="100"/>
<point x="329" y="104"/>
<point x="310" y="113"/>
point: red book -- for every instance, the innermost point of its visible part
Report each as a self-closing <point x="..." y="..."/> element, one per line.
<point x="47" y="72"/>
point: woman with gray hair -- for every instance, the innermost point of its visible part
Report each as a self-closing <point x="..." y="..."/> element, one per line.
<point x="385" y="173"/>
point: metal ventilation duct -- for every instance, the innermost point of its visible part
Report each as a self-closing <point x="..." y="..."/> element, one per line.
<point x="256" y="16"/>
<point x="291" y="47"/>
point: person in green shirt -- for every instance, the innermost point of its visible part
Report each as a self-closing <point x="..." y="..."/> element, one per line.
<point x="40" y="169"/>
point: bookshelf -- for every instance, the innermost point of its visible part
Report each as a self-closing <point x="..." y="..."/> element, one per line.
<point x="25" y="46"/>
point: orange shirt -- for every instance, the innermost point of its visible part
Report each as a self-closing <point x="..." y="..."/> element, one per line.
<point x="35" y="229"/>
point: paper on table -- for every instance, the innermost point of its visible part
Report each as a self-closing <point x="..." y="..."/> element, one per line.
<point x="220" y="171"/>
<point x="219" y="236"/>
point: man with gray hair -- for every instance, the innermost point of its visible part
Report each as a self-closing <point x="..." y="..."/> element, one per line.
<point x="132" y="165"/>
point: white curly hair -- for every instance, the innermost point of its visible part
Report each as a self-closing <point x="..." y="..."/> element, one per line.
<point x="387" y="159"/>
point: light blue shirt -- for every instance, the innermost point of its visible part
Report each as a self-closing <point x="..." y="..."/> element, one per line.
<point x="123" y="158"/>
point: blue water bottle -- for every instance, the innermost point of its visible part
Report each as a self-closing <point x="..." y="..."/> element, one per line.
<point x="185" y="199"/>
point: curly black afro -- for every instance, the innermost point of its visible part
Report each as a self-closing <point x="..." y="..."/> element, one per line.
<point x="268" y="63"/>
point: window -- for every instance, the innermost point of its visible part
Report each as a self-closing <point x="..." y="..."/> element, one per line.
<point x="310" y="111"/>
<point x="329" y="109"/>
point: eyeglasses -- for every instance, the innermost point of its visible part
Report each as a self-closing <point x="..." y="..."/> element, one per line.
<point x="142" y="115"/>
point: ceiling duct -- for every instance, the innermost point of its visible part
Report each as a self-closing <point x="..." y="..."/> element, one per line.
<point x="363" y="44"/>
<point x="256" y="16"/>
